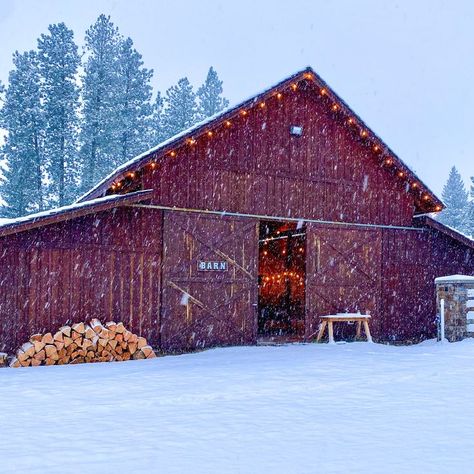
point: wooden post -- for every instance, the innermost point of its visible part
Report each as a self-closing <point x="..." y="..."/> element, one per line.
<point x="331" y="332"/>
<point x="367" y="331"/>
<point x="441" y="322"/>
<point x="321" y="330"/>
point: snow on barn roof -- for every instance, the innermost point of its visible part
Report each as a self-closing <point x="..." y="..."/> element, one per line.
<point x="447" y="230"/>
<point x="12" y="226"/>
<point x="455" y="279"/>
<point x="429" y="201"/>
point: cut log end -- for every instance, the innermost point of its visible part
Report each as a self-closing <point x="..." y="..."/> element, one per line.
<point x="83" y="343"/>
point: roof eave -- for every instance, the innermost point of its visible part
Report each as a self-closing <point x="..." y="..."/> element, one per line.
<point x="64" y="214"/>
<point x="425" y="220"/>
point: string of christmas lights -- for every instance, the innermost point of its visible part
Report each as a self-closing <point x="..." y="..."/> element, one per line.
<point x="337" y="108"/>
<point x="282" y="278"/>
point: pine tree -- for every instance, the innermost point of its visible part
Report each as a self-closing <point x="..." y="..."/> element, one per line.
<point x="157" y="131"/>
<point x="59" y="62"/>
<point x="180" y="110"/>
<point x="101" y="126"/>
<point x="2" y="159"/>
<point x="2" y="94"/>
<point x="209" y="95"/>
<point x="470" y="212"/>
<point x="22" y="119"/>
<point x="456" y="199"/>
<point x="135" y="106"/>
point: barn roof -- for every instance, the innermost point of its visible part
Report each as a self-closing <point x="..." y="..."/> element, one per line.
<point x="444" y="229"/>
<point x="39" y="219"/>
<point x="425" y="199"/>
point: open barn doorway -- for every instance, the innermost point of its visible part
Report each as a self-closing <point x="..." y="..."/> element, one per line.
<point x="281" y="278"/>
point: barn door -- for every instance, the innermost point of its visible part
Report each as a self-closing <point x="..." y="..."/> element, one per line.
<point x="342" y="274"/>
<point x="209" y="286"/>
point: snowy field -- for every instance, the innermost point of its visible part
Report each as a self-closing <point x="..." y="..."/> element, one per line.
<point x="289" y="409"/>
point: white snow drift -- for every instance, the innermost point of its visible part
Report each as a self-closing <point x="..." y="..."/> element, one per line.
<point x="291" y="409"/>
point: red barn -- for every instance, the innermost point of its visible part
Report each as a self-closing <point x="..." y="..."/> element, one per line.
<point x="251" y="224"/>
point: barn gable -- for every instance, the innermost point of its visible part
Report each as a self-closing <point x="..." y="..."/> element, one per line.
<point x="249" y="152"/>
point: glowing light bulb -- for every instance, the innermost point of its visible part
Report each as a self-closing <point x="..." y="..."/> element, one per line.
<point x="279" y="95"/>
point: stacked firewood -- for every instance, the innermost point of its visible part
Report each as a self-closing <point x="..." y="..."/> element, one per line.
<point x="81" y="343"/>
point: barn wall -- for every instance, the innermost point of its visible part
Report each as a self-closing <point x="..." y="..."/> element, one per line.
<point x="411" y="262"/>
<point x="407" y="285"/>
<point x="343" y="273"/>
<point x="388" y="272"/>
<point x="111" y="265"/>
<point x="206" y="308"/>
<point x="255" y="166"/>
<point x="105" y="265"/>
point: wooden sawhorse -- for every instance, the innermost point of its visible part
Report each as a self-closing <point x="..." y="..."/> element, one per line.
<point x="329" y="320"/>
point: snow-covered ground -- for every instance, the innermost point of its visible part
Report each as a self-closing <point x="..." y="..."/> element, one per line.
<point x="289" y="409"/>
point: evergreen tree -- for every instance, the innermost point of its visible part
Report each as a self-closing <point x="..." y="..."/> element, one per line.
<point x="135" y="106"/>
<point x="101" y="126"/>
<point x="180" y="110"/>
<point x="157" y="132"/>
<point x="456" y="199"/>
<point x="209" y="95"/>
<point x="470" y="213"/>
<point x="2" y="159"/>
<point x="22" y="119"/>
<point x="59" y="62"/>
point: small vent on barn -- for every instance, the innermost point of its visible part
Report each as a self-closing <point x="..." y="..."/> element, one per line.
<point x="296" y="130"/>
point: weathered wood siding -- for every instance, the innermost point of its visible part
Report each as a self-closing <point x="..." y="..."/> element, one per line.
<point x="255" y="166"/>
<point x="106" y="265"/>
<point x="389" y="273"/>
<point x="202" y="308"/>
<point x="343" y="273"/>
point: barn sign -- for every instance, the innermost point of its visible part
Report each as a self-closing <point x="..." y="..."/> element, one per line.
<point x="213" y="266"/>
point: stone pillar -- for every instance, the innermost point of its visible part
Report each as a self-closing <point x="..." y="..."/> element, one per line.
<point x="458" y="294"/>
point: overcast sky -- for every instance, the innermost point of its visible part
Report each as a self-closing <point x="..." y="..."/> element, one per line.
<point x="406" y="67"/>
